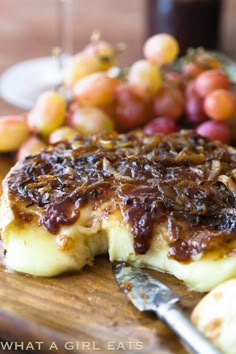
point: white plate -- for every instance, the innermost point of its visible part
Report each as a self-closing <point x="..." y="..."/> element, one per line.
<point x="22" y="83"/>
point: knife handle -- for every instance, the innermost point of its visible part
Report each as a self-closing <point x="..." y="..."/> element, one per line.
<point x="174" y="317"/>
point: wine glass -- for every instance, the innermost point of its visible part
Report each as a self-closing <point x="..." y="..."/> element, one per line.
<point x="22" y="83"/>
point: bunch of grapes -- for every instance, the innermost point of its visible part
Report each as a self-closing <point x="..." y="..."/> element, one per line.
<point x="151" y="94"/>
<point x="209" y="98"/>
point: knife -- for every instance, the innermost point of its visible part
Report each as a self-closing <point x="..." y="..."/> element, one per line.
<point x="148" y="294"/>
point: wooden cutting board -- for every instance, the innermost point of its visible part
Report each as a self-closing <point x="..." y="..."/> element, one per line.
<point x="83" y="313"/>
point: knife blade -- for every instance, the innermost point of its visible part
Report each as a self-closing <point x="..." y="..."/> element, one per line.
<point x="148" y="294"/>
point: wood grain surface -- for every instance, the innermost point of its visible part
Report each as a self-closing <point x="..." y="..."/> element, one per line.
<point x="83" y="313"/>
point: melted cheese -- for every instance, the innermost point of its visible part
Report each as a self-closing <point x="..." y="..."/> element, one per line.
<point x="32" y="249"/>
<point x="201" y="274"/>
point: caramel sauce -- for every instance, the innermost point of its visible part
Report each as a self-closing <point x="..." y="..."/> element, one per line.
<point x="152" y="179"/>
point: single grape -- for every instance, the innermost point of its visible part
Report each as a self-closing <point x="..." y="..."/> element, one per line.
<point x="103" y="51"/>
<point x="48" y="113"/>
<point x="90" y="120"/>
<point x="215" y="131"/>
<point x="169" y="103"/>
<point x="130" y="111"/>
<point x="161" y="49"/>
<point x="31" y="146"/>
<point x="95" y="89"/>
<point x="163" y="125"/>
<point x="62" y="133"/>
<point x="14" y="131"/>
<point x="194" y="111"/>
<point x="145" y="78"/>
<point x="210" y="81"/>
<point x="79" y="66"/>
<point x="220" y="105"/>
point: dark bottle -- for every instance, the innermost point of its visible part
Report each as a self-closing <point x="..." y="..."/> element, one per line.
<point x="194" y="23"/>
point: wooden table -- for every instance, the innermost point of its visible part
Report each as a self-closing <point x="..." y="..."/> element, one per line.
<point x="85" y="311"/>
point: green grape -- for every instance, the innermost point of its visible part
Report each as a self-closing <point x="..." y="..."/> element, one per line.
<point x="47" y="114"/>
<point x="80" y="66"/>
<point x="90" y="120"/>
<point x="14" y="131"/>
<point x="161" y="48"/>
<point x="145" y="78"/>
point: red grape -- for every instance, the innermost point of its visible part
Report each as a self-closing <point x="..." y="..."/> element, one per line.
<point x="163" y="125"/>
<point x="175" y="78"/>
<point x="215" y="131"/>
<point x="96" y="89"/>
<point x="192" y="70"/>
<point x="219" y="105"/>
<point x="210" y="81"/>
<point x="169" y="103"/>
<point x="194" y="110"/>
<point x="129" y="110"/>
<point x="190" y="88"/>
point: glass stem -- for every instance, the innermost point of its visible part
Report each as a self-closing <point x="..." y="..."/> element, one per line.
<point x="65" y="14"/>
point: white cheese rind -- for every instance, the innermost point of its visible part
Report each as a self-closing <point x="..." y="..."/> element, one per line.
<point x="33" y="250"/>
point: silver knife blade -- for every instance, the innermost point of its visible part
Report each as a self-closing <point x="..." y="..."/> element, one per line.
<point x="148" y="294"/>
<point x="145" y="292"/>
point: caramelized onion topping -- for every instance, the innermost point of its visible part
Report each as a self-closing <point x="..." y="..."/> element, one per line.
<point x="183" y="180"/>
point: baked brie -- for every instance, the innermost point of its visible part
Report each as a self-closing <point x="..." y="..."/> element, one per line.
<point x="164" y="202"/>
